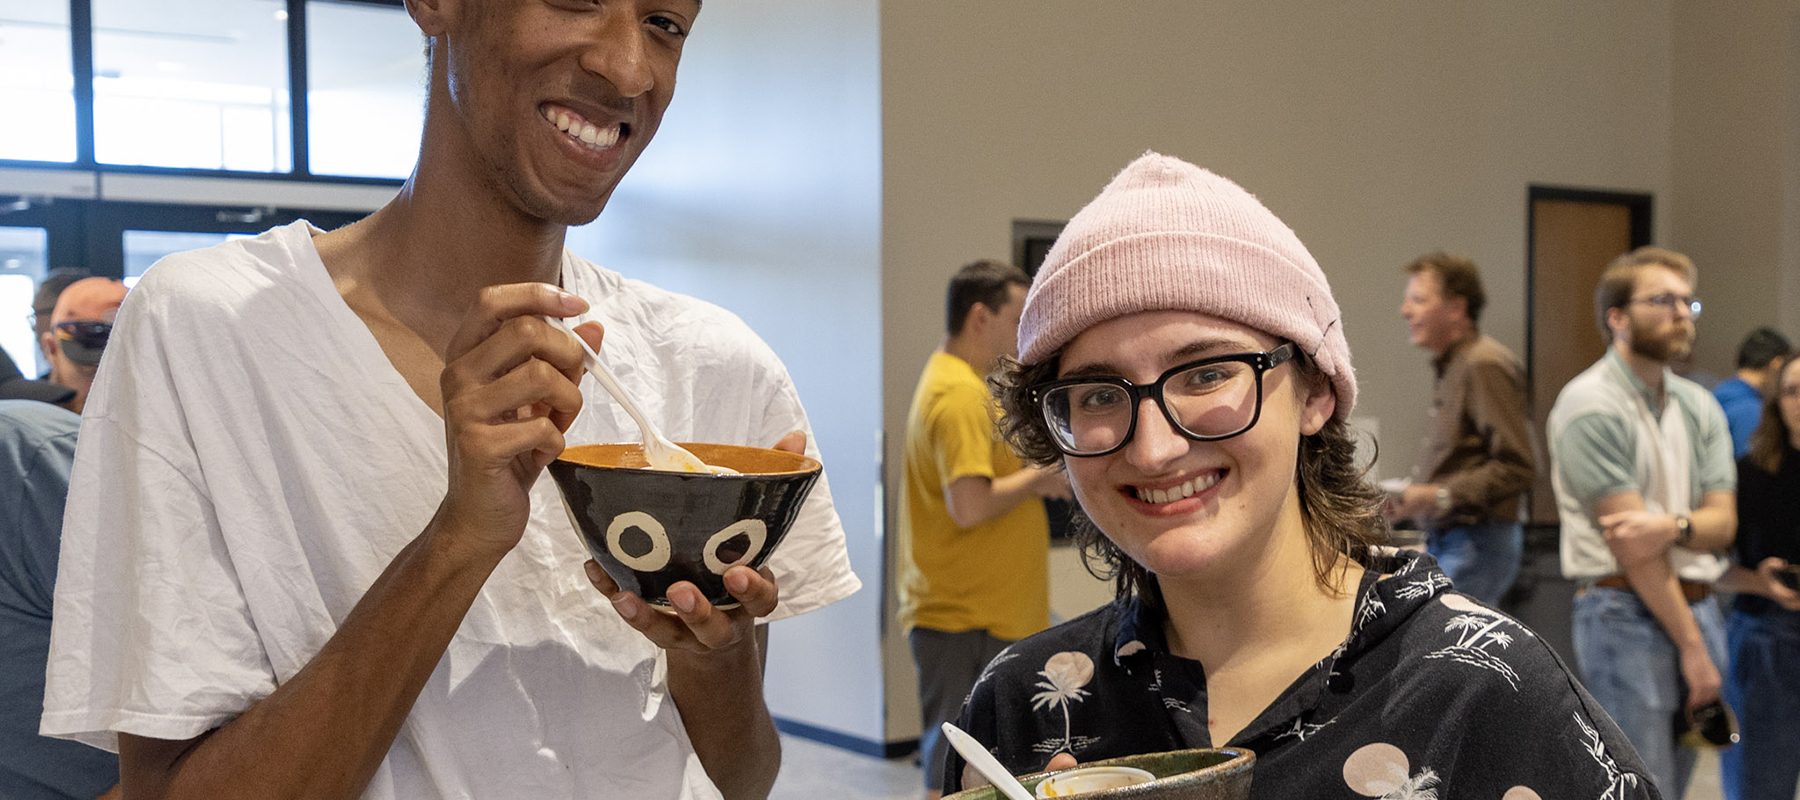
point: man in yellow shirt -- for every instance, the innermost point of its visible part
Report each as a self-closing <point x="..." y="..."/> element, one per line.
<point x="974" y="538"/>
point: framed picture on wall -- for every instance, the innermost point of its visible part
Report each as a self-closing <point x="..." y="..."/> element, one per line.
<point x="1031" y="240"/>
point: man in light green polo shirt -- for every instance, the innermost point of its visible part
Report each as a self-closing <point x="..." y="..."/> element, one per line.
<point x="1645" y="489"/>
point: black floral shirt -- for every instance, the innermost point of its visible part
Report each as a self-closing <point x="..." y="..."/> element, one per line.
<point x="1432" y="695"/>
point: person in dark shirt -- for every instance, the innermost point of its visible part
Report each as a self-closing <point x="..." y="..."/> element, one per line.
<point x="1764" y="629"/>
<point x="37" y="450"/>
<point x="1182" y="357"/>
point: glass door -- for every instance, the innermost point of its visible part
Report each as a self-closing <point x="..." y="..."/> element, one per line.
<point x="37" y="235"/>
<point x="24" y="253"/>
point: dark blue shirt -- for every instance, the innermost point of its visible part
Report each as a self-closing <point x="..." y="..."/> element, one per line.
<point x="1743" y="409"/>
<point x="1431" y="690"/>
<point x="37" y="449"/>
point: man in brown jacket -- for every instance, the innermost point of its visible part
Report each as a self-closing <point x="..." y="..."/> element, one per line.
<point x="1476" y="461"/>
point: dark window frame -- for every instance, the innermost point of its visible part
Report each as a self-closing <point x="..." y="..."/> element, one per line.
<point x="91" y="233"/>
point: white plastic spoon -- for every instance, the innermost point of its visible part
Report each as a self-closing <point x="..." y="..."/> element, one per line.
<point x="659" y="452"/>
<point x="985" y="763"/>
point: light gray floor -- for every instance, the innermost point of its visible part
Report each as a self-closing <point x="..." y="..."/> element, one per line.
<point x="811" y="770"/>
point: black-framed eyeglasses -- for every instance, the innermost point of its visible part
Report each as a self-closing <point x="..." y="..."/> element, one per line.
<point x="1672" y="302"/>
<point x="1207" y="400"/>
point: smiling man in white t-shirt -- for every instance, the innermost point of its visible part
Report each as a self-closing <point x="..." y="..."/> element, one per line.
<point x="310" y="550"/>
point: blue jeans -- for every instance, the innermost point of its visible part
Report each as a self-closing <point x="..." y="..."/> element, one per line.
<point x="1761" y="687"/>
<point x="1630" y="665"/>
<point x="1482" y="559"/>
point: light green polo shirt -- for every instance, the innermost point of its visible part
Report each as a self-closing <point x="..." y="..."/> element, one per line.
<point x="1594" y="453"/>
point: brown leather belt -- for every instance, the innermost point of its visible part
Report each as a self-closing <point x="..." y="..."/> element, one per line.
<point x="1693" y="591"/>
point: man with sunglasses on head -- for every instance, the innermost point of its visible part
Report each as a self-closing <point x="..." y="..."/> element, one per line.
<point x="80" y="324"/>
<point x="1645" y="488"/>
<point x="43" y="307"/>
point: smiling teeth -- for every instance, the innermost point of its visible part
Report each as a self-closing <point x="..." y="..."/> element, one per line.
<point x="582" y="131"/>
<point x="1173" y="493"/>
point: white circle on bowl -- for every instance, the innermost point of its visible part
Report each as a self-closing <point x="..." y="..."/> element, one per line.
<point x="756" y="529"/>
<point x="656" y="559"/>
<point x="1091" y="779"/>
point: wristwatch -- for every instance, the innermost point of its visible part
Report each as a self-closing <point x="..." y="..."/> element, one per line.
<point x="1443" y="499"/>
<point x="1684" y="530"/>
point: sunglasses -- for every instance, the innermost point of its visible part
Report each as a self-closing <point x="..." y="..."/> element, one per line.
<point x="92" y="335"/>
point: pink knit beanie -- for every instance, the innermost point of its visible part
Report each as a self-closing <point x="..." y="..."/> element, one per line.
<point x="1167" y="235"/>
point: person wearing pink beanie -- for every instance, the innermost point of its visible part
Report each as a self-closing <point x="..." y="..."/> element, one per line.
<point x="1181" y="356"/>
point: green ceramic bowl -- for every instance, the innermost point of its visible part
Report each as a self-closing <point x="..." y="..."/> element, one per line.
<point x="1180" y="775"/>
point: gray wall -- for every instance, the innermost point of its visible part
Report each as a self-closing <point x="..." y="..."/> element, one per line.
<point x="762" y="193"/>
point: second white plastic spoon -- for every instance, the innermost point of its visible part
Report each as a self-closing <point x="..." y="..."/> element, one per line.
<point x="985" y="763"/>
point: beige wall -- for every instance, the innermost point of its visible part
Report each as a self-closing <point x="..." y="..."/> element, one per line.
<point x="1733" y="205"/>
<point x="1377" y="131"/>
<point x="1790" y="247"/>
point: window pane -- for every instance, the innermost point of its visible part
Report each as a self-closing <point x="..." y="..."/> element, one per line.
<point x="365" y="100"/>
<point x="143" y="248"/>
<point x="22" y="255"/>
<point x="192" y="83"/>
<point x="36" y="81"/>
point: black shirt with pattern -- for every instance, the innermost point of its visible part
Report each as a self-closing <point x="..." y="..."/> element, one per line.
<point x="1432" y="695"/>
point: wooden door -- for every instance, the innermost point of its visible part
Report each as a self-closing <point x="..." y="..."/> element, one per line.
<point x="1574" y="234"/>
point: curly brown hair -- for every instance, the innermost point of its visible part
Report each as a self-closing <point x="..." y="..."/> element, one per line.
<point x="1339" y="508"/>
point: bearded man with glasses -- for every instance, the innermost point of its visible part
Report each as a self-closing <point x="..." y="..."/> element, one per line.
<point x="1645" y="489"/>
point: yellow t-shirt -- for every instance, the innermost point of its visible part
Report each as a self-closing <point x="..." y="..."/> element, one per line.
<point x="993" y="576"/>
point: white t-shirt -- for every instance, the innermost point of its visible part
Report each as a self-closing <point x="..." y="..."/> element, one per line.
<point x="250" y="463"/>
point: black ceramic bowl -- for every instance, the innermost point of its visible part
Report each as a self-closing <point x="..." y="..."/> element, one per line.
<point x="1222" y="774"/>
<point x="651" y="529"/>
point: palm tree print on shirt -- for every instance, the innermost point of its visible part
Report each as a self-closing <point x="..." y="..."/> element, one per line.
<point x="1064" y="676"/>
<point x="1477" y="629"/>
<point x="1423" y="587"/>
<point x="1302" y="729"/>
<point x="992" y="667"/>
<point x="1371" y="608"/>
<point x="1381" y="770"/>
<point x="1617" y="783"/>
